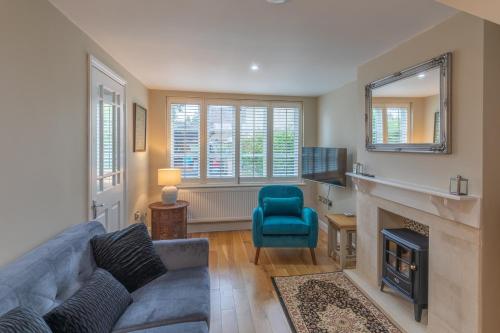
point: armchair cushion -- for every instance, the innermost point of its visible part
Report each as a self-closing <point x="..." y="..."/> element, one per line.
<point x="282" y="206"/>
<point x="285" y="225"/>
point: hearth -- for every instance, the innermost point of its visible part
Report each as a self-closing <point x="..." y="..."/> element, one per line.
<point x="405" y="266"/>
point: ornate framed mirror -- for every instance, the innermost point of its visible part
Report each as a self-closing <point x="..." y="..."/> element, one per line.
<point x="410" y="111"/>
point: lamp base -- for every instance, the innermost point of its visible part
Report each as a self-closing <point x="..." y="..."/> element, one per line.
<point x="169" y="195"/>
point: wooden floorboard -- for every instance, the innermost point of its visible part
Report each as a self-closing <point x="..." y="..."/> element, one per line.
<point x="243" y="299"/>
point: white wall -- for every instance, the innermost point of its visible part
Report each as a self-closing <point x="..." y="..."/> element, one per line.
<point x="43" y="128"/>
<point x="337" y="117"/>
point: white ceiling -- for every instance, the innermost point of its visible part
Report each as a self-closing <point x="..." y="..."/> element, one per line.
<point x="304" y="47"/>
<point x="413" y="86"/>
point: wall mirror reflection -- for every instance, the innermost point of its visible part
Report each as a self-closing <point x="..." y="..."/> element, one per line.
<point x="409" y="111"/>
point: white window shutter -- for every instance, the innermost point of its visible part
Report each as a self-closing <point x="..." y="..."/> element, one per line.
<point x="253" y="141"/>
<point x="377" y="125"/>
<point x="185" y="138"/>
<point x="286" y="132"/>
<point x="221" y="141"/>
<point x="397" y="125"/>
<point x="390" y="124"/>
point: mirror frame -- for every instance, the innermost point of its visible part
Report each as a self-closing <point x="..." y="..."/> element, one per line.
<point x="443" y="62"/>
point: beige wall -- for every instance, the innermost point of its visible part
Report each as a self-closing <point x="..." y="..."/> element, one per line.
<point x="337" y="117"/>
<point x="490" y="286"/>
<point x="463" y="35"/>
<point x="431" y="106"/>
<point x="158" y="125"/>
<point x="43" y="89"/>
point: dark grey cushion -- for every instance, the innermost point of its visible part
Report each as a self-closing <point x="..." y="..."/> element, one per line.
<point x="93" y="309"/>
<point x="23" y="320"/>
<point x="177" y="296"/>
<point x="129" y="255"/>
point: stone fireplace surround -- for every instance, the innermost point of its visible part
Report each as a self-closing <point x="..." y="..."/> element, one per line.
<point x="454" y="254"/>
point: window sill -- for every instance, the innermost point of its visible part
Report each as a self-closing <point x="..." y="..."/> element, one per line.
<point x="246" y="185"/>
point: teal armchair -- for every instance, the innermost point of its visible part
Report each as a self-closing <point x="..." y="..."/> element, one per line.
<point x="281" y="220"/>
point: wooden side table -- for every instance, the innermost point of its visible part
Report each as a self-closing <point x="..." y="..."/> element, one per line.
<point x="169" y="221"/>
<point x="346" y="226"/>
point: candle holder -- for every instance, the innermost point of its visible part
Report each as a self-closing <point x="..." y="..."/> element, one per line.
<point x="459" y="185"/>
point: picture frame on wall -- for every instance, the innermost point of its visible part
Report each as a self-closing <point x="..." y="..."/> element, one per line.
<point x="140" y="127"/>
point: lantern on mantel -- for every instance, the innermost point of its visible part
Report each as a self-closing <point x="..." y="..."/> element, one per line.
<point x="459" y="185"/>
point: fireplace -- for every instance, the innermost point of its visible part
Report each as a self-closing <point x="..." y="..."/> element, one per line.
<point x="453" y="229"/>
<point x="405" y="266"/>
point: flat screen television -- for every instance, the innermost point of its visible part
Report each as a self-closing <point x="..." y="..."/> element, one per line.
<point x="325" y="165"/>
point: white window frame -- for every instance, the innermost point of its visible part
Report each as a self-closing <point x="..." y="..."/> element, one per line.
<point x="232" y="180"/>
<point x="237" y="180"/>
<point x="183" y="100"/>
<point x="301" y="143"/>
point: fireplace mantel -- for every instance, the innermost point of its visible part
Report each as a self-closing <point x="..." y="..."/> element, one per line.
<point x="464" y="209"/>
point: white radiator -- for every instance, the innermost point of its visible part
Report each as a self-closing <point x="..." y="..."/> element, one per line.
<point x="222" y="204"/>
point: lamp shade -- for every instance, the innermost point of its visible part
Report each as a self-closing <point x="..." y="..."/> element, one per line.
<point x="169" y="177"/>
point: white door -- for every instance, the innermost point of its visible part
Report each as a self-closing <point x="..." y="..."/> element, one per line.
<point x="107" y="147"/>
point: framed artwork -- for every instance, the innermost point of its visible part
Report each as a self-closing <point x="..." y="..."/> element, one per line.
<point x="140" y="121"/>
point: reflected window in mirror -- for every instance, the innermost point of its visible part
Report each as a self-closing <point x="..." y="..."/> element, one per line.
<point x="408" y="109"/>
<point x="391" y="123"/>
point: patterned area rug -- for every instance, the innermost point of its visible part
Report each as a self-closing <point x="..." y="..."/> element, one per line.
<point x="329" y="303"/>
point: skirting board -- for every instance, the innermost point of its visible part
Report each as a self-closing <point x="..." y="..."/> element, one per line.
<point x="219" y="226"/>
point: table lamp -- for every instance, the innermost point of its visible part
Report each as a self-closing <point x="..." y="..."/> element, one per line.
<point x="169" y="178"/>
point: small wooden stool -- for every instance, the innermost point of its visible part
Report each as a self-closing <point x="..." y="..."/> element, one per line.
<point x="346" y="226"/>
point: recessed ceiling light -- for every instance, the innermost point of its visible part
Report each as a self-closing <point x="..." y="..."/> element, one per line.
<point x="276" y="2"/>
<point x="254" y="67"/>
<point x="421" y="75"/>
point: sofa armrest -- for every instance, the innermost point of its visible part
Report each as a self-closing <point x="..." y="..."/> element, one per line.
<point x="182" y="253"/>
<point x="257" y="222"/>
<point x="310" y="216"/>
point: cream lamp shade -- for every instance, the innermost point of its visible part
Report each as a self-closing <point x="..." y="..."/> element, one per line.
<point x="169" y="178"/>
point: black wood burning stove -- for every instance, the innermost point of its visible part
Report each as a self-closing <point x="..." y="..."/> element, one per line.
<point x="405" y="266"/>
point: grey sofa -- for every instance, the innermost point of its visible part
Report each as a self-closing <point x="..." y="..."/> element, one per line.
<point x="178" y="301"/>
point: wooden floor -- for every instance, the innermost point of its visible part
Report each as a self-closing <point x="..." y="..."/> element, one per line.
<point x="242" y="295"/>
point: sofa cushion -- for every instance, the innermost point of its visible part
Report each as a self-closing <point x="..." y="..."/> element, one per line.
<point x="284" y="225"/>
<point x="23" y="320"/>
<point x="93" y="309"/>
<point x="129" y="255"/>
<point x="177" y="296"/>
<point x="282" y="206"/>
<point x="191" y="327"/>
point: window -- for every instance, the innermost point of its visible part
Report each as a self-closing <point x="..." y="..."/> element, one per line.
<point x="378" y="125"/>
<point x="253" y="141"/>
<point x="185" y="138"/>
<point x="229" y="141"/>
<point x="397" y="125"/>
<point x="286" y="142"/>
<point x="221" y="141"/>
<point x="390" y="124"/>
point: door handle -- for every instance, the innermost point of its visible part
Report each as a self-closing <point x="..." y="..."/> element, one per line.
<point x="95" y="205"/>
